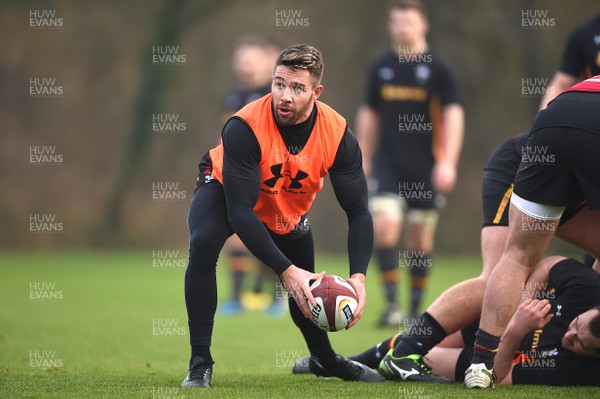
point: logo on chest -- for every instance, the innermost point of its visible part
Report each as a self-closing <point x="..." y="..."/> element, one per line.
<point x="291" y="183"/>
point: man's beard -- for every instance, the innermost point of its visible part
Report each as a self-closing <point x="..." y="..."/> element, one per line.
<point x="293" y="118"/>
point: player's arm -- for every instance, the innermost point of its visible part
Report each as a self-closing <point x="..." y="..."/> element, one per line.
<point x="241" y="183"/>
<point x="560" y="81"/>
<point x="367" y="129"/>
<point x="368" y="121"/>
<point x="453" y="122"/>
<point x="350" y="187"/>
<point x="452" y="130"/>
<point x="532" y="314"/>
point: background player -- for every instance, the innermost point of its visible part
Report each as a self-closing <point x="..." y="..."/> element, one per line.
<point x="410" y="130"/>
<point x="580" y="59"/>
<point x="252" y="62"/>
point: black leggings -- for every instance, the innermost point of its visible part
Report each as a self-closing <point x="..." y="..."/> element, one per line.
<point x="209" y="229"/>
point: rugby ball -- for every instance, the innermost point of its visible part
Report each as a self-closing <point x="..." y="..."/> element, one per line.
<point x="336" y="303"/>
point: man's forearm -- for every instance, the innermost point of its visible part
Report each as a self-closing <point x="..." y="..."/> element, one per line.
<point x="367" y="131"/>
<point x="360" y="242"/>
<point x="453" y="117"/>
<point x="256" y="238"/>
<point x="508" y="345"/>
<point x="240" y="196"/>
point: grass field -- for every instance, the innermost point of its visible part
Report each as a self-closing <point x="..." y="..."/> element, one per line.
<point x="110" y="325"/>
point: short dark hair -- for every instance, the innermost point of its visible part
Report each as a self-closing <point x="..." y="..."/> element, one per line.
<point x="410" y="5"/>
<point x="302" y="56"/>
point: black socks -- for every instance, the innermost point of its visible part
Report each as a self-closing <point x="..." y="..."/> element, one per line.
<point x="485" y="348"/>
<point x="424" y="333"/>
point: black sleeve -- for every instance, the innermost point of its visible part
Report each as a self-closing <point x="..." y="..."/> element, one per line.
<point x="577" y="285"/>
<point x="448" y="85"/>
<point x="350" y="187"/>
<point x="347" y="166"/>
<point x="242" y="151"/>
<point x="573" y="58"/>
<point x="373" y="91"/>
<point x="241" y="183"/>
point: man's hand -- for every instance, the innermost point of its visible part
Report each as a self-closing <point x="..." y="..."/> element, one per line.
<point x="531" y="315"/>
<point x="295" y="281"/>
<point x="357" y="281"/>
<point x="443" y="177"/>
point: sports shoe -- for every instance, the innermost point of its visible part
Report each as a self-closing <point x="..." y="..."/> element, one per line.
<point x="479" y="376"/>
<point x="408" y="368"/>
<point x="255" y="300"/>
<point x="346" y="369"/>
<point x="392" y="317"/>
<point x="230" y="307"/>
<point x="301" y="366"/>
<point x="199" y="375"/>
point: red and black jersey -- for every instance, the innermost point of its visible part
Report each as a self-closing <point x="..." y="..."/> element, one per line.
<point x="590" y="85"/>
<point x="576" y="107"/>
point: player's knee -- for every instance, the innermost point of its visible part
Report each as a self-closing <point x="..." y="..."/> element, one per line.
<point x="422" y="224"/>
<point x="203" y="240"/>
<point x="386" y="232"/>
<point x="387" y="218"/>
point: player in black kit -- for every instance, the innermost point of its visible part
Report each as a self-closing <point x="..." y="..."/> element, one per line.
<point x="410" y="129"/>
<point x="560" y="168"/>
<point x="552" y="339"/>
<point x="441" y="319"/>
<point x="580" y="59"/>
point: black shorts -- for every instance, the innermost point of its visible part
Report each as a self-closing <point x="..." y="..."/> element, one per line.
<point x="560" y="164"/>
<point x="498" y="178"/>
<point x="412" y="185"/>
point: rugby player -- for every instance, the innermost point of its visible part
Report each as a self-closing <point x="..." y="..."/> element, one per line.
<point x="569" y="131"/>
<point x="552" y="339"/>
<point x="260" y="183"/>
<point x="410" y="130"/>
<point x="441" y="318"/>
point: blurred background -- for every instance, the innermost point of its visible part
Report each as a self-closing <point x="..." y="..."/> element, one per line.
<point x="81" y="89"/>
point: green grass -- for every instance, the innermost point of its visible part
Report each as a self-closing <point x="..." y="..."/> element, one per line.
<point x="101" y="335"/>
